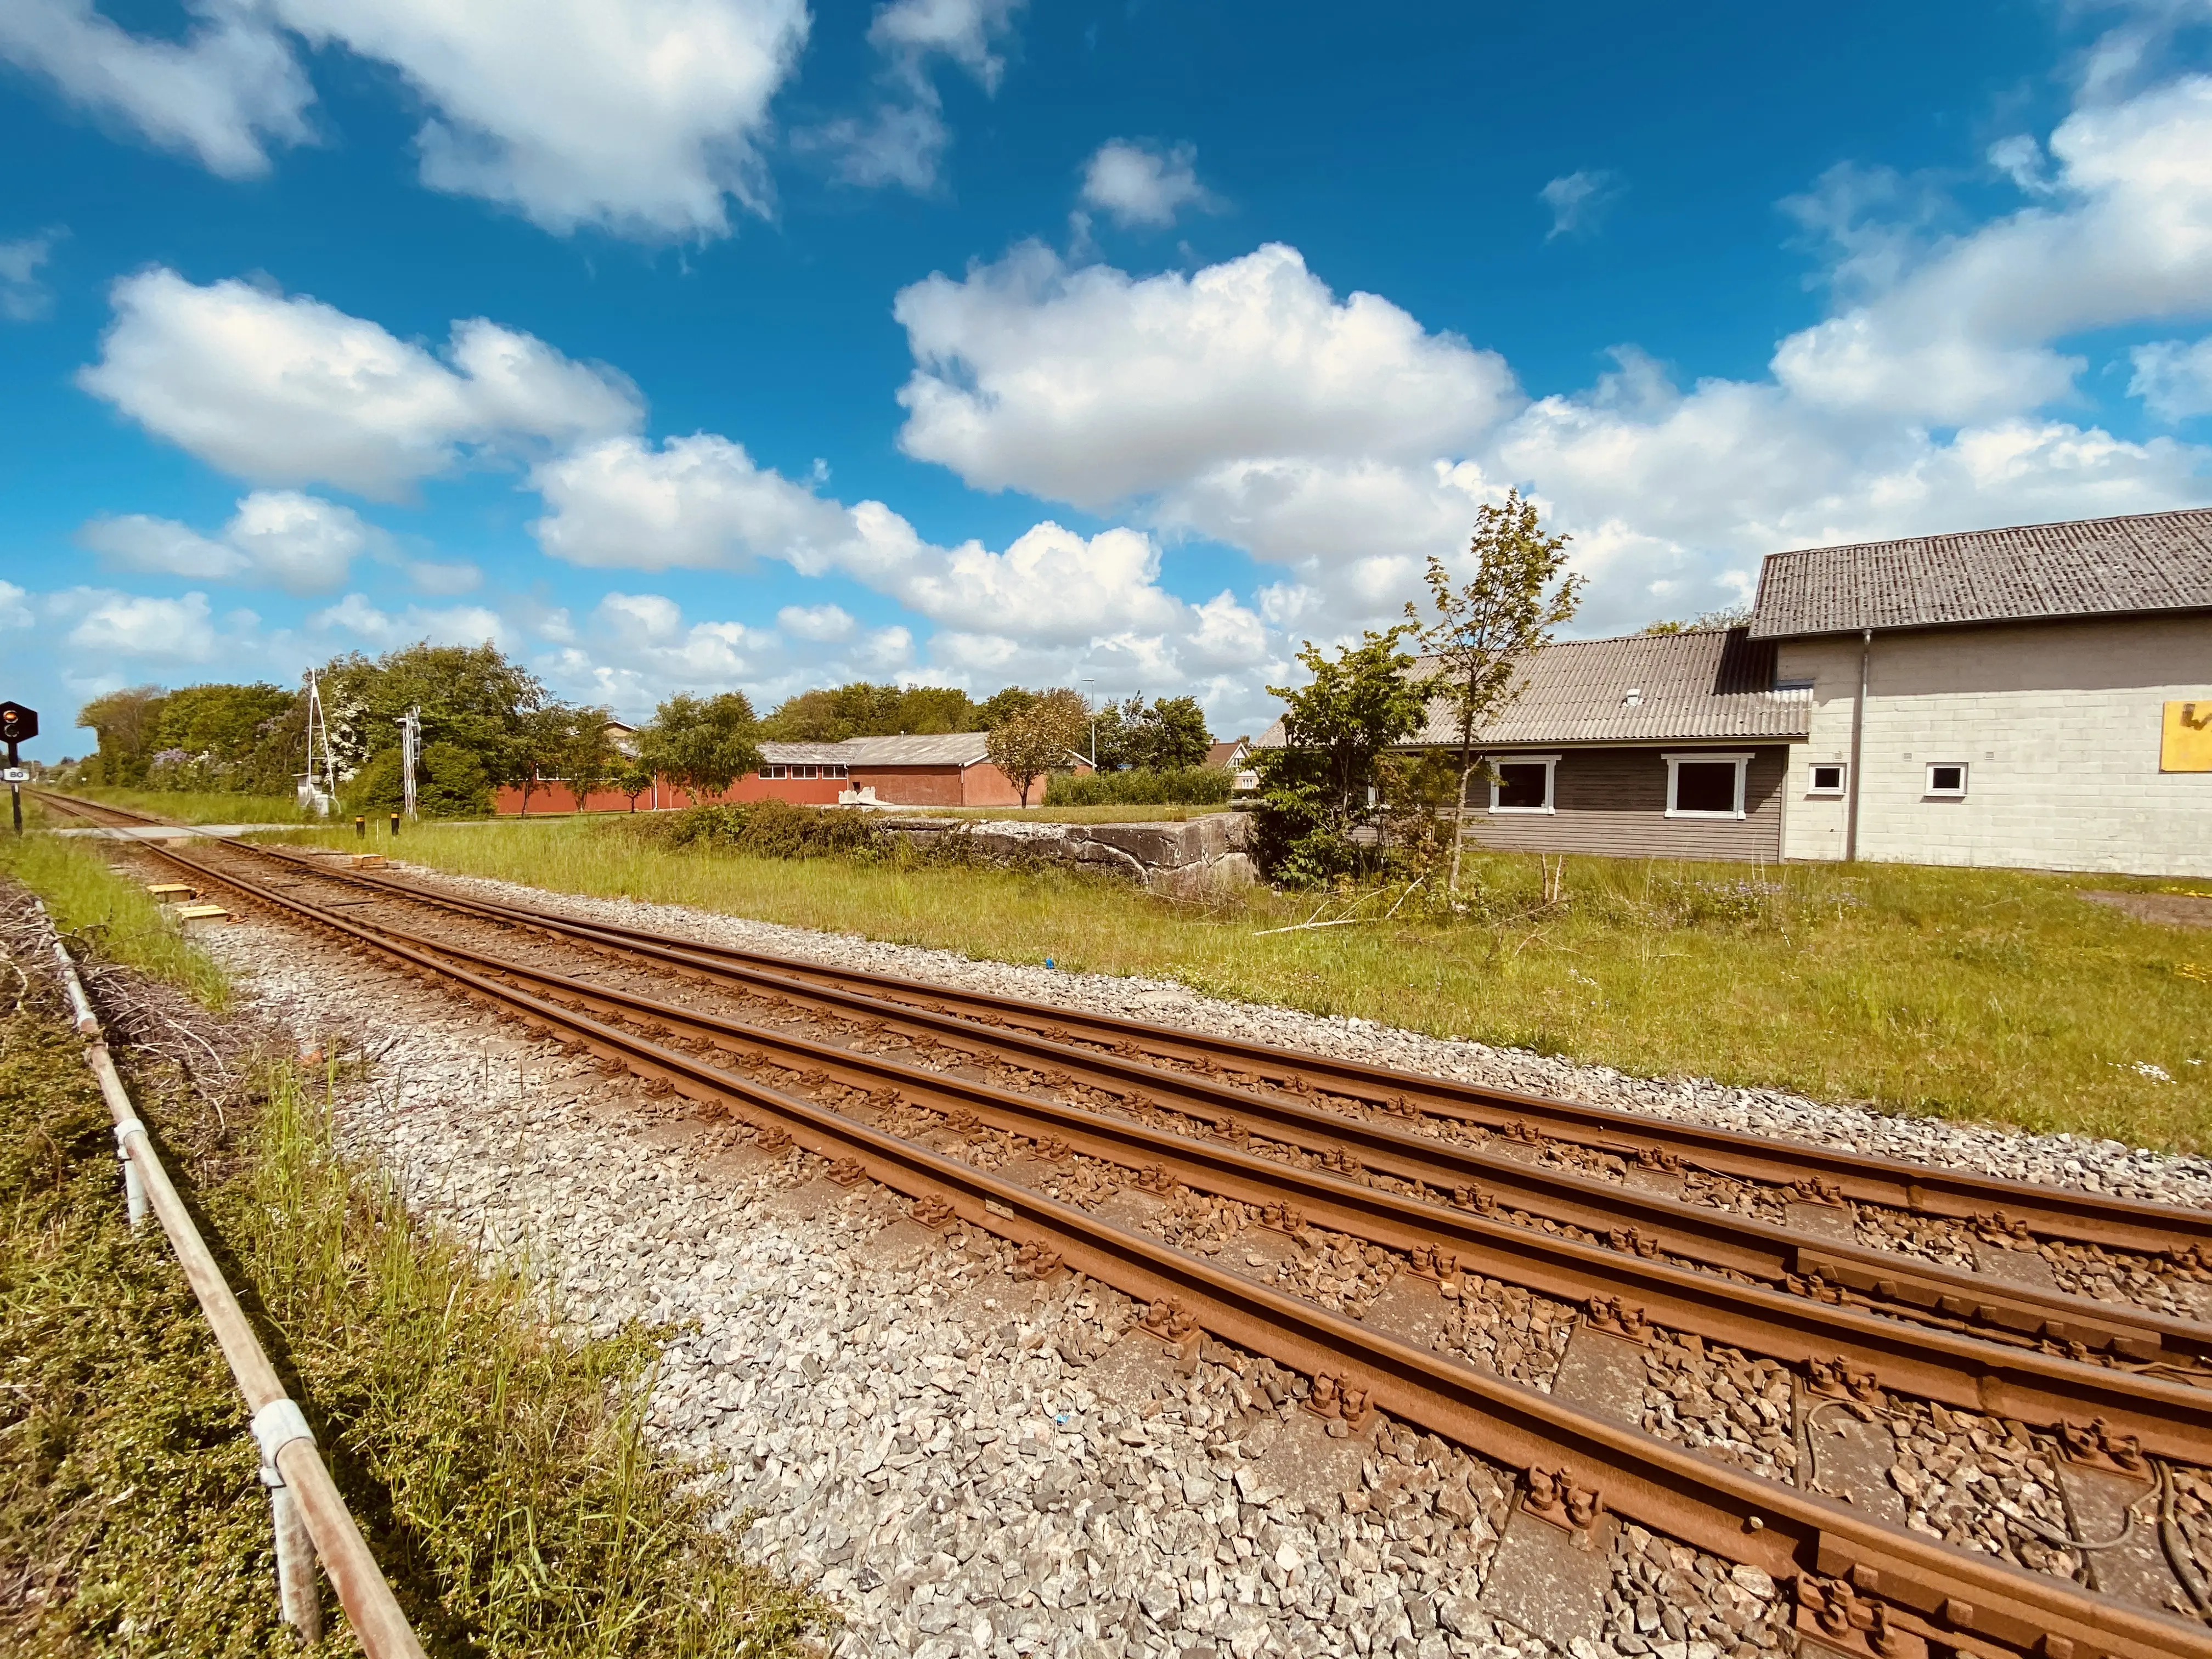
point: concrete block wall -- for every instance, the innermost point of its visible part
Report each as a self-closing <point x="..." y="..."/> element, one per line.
<point x="2058" y="723"/>
<point x="1189" y="859"/>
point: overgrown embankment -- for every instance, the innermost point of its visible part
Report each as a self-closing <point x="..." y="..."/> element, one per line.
<point x="498" y="1465"/>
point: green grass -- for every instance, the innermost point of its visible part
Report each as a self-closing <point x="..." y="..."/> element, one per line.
<point x="195" y="806"/>
<point x="1968" y="994"/>
<point x="87" y="899"/>
<point x="498" y="1468"/>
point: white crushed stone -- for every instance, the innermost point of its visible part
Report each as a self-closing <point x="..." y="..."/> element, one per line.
<point x="2079" y="1161"/>
<point x="932" y="1463"/>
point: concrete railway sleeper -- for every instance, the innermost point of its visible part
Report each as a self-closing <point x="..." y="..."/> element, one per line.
<point x="1860" y="1587"/>
<point x="1493" y="1185"/>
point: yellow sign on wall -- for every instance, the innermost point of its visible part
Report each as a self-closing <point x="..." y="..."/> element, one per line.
<point x="2187" y="741"/>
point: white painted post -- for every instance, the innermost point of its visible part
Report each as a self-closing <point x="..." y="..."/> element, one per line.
<point x="134" y="1184"/>
<point x="276" y="1425"/>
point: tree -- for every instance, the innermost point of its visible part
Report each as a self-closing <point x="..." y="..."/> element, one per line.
<point x="704" y="744"/>
<point x="536" y="748"/>
<point x="1037" y="739"/>
<point x="1001" y="706"/>
<point x="588" y="757"/>
<point x="1484" y="629"/>
<point x="471" y="695"/>
<point x="128" y="726"/>
<point x="1314" y="791"/>
<point x="1170" y="733"/>
<point x="864" y="709"/>
<point x="1728" y="615"/>
<point x="1176" y="734"/>
<point x="634" y="780"/>
<point x="453" y="784"/>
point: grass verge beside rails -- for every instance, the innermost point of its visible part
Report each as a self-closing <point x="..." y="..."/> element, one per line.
<point x="1969" y="994"/>
<point x="496" y="1464"/>
<point x="89" y="900"/>
<point x="195" y="806"/>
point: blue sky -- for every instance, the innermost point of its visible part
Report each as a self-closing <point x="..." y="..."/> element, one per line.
<point x="688" y="343"/>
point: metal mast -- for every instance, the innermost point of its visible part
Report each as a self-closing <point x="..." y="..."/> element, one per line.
<point x="316" y="796"/>
<point x="411" y="751"/>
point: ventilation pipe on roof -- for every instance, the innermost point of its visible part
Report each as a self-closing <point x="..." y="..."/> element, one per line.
<point x="1858" y="735"/>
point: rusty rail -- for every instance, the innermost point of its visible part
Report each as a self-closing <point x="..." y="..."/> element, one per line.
<point x="2052" y="1211"/>
<point x="2171" y="1419"/>
<point x="1931" y="1292"/>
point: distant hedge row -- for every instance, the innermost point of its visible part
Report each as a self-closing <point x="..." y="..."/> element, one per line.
<point x="769" y="828"/>
<point x="1181" y="786"/>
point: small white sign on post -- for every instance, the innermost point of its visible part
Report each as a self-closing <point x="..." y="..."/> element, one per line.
<point x="15" y="774"/>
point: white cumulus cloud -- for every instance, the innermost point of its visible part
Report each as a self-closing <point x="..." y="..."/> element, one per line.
<point x="1342" y="441"/>
<point x="1578" y="200"/>
<point x="702" y="503"/>
<point x="901" y="139"/>
<point x="221" y="94"/>
<point x="277" y="538"/>
<point x="1141" y="184"/>
<point x="823" y="623"/>
<point x="642" y="116"/>
<point x="356" y="614"/>
<point x="1092" y="386"/>
<point x="2174" y="378"/>
<point x="24" y="297"/>
<point x="288" y="390"/>
<point x="1971" y="327"/>
<point x="112" y="624"/>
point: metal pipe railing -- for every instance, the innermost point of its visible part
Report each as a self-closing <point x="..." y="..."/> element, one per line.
<point x="309" y="1517"/>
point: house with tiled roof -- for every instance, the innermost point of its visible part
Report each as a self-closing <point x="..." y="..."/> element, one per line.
<point x="2034" y="698"/>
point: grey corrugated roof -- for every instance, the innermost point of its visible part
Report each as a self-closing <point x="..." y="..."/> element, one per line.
<point x="800" y="754"/>
<point x="932" y="749"/>
<point x="2086" y="568"/>
<point x="1711" y="684"/>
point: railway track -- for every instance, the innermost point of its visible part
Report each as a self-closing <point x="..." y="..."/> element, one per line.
<point x="2114" y="1393"/>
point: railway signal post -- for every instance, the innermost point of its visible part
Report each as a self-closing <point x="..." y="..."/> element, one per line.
<point x="18" y="725"/>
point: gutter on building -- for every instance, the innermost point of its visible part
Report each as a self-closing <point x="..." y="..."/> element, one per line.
<point x="1858" y="738"/>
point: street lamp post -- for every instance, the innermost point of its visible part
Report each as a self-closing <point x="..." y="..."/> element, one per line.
<point x="1089" y="680"/>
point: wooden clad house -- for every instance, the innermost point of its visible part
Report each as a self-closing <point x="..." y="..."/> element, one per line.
<point x="1672" y="745"/>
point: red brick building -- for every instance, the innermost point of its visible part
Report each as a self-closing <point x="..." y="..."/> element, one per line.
<point x="946" y="769"/>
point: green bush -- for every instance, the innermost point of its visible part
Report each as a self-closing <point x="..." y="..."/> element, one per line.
<point x="769" y="829"/>
<point x="1181" y="786"/>
<point x="453" y="783"/>
<point x="450" y="783"/>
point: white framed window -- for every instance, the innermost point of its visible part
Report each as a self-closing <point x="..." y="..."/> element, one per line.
<point x="1524" y="783"/>
<point x="772" y="771"/>
<point x="1947" y="779"/>
<point x="1703" y="784"/>
<point x="1827" y="777"/>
